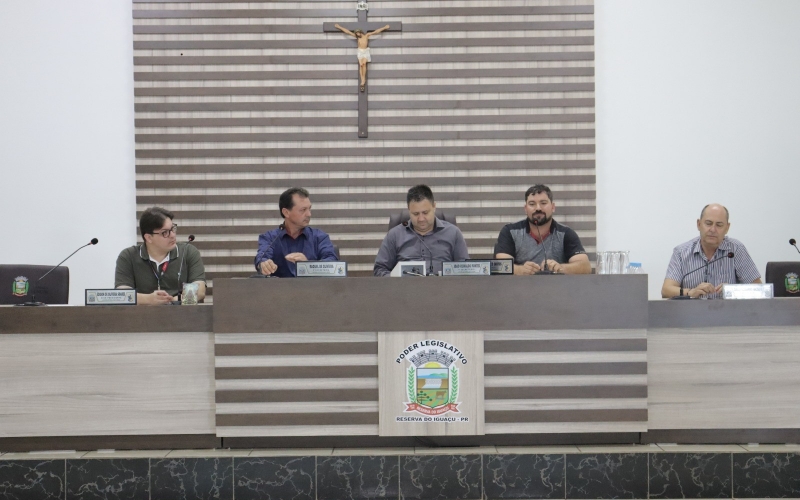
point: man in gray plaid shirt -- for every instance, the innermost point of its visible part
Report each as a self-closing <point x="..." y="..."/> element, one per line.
<point x="712" y="244"/>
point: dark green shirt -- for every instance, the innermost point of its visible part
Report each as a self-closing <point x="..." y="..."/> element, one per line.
<point x="136" y="270"/>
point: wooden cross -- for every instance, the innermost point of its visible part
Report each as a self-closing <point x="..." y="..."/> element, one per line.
<point x="363" y="25"/>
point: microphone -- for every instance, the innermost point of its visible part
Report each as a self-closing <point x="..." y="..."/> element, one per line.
<point x="544" y="247"/>
<point x="793" y="242"/>
<point x="728" y="255"/>
<point x="430" y="265"/>
<point x="269" y="247"/>
<point x="180" y="266"/>
<point x="33" y="294"/>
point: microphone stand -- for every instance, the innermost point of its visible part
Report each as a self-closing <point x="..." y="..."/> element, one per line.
<point x="430" y="259"/>
<point x="729" y="255"/>
<point x="180" y="270"/>
<point x="793" y="242"/>
<point x="33" y="302"/>
<point x="544" y="248"/>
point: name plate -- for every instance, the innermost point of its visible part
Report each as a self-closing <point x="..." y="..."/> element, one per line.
<point x="473" y="268"/>
<point x="110" y="297"/>
<point x="321" y="269"/>
<point x="751" y="291"/>
<point x="499" y="266"/>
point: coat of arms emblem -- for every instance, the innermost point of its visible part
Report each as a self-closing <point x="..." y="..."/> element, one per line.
<point x="20" y="286"/>
<point x="791" y="282"/>
<point x="432" y="382"/>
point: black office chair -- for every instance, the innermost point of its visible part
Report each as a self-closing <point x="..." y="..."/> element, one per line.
<point x="785" y="278"/>
<point x="17" y="282"/>
<point x="403" y="216"/>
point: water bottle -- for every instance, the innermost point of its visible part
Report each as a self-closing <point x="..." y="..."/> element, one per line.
<point x="635" y="268"/>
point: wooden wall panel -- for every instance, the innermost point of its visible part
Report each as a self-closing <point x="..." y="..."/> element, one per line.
<point x="725" y="377"/>
<point x="236" y="102"/>
<point x="310" y="384"/>
<point x="565" y="381"/>
<point x="104" y="384"/>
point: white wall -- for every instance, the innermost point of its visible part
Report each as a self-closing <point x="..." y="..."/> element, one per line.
<point x="697" y="102"/>
<point x="66" y="136"/>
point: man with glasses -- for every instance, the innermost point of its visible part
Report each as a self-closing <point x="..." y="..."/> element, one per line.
<point x="712" y="243"/>
<point x="159" y="267"/>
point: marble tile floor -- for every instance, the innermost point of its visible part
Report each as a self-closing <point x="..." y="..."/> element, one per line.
<point x="482" y="450"/>
<point x="662" y="471"/>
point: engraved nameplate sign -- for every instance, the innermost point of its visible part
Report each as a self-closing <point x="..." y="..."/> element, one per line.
<point x="498" y="266"/>
<point x="110" y="297"/>
<point x="469" y="268"/>
<point x="748" y="291"/>
<point x="321" y="269"/>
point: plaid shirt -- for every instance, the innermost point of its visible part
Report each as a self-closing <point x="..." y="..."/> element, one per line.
<point x="689" y="256"/>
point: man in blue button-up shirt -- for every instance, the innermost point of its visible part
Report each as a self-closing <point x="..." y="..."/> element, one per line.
<point x="293" y="241"/>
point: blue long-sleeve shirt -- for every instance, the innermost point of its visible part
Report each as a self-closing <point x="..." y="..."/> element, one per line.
<point x="315" y="244"/>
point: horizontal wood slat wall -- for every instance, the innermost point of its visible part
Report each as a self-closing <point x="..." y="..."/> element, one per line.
<point x="236" y="102"/>
<point x="565" y="381"/>
<point x="311" y="384"/>
<point x="280" y="384"/>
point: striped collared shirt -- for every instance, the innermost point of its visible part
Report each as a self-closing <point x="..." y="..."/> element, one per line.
<point x="689" y="256"/>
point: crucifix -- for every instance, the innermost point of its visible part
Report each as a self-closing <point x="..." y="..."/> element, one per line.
<point x="362" y="30"/>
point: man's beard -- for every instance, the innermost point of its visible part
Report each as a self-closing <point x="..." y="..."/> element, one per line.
<point x="542" y="222"/>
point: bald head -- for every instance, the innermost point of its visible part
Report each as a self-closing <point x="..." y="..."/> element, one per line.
<point x="716" y="207"/>
<point x="713" y="226"/>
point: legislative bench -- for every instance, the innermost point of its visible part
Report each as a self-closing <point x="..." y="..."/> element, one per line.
<point x="388" y="362"/>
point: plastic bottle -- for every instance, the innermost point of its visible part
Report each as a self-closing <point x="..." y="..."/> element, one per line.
<point x="635" y="268"/>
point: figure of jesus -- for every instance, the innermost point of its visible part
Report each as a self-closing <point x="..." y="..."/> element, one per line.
<point x="363" y="50"/>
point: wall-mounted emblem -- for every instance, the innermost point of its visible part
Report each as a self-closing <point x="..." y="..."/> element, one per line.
<point x="432" y="386"/>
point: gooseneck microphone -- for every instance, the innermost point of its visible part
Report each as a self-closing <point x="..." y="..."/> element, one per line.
<point x="728" y="255"/>
<point x="33" y="293"/>
<point x="180" y="266"/>
<point x="544" y="270"/>
<point x="793" y="242"/>
<point x="430" y="259"/>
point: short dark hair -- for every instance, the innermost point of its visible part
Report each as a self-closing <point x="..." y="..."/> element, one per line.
<point x="538" y="189"/>
<point x="287" y="198"/>
<point x="727" y="215"/>
<point x="153" y="218"/>
<point x="418" y="193"/>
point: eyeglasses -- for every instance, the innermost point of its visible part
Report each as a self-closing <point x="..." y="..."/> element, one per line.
<point x="166" y="232"/>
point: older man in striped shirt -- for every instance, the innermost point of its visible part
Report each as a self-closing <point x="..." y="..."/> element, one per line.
<point x="712" y="244"/>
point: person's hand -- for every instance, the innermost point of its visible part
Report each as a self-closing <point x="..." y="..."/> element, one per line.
<point x="296" y="257"/>
<point x="267" y="267"/>
<point x="552" y="265"/>
<point x="527" y="268"/>
<point x="157" y="298"/>
<point x="703" y="289"/>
